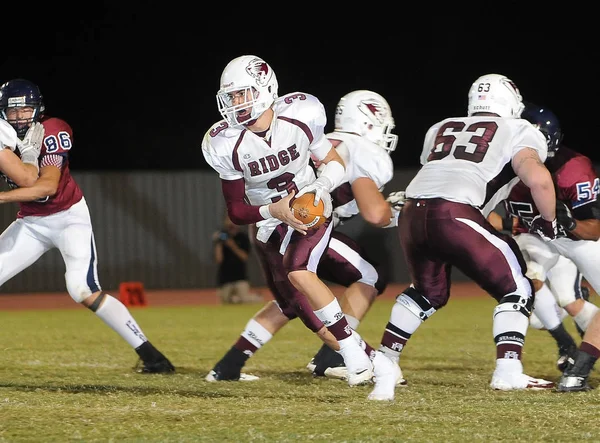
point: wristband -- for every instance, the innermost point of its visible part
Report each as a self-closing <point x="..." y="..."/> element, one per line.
<point x="507" y="223"/>
<point x="31" y="159"/>
<point x="264" y="212"/>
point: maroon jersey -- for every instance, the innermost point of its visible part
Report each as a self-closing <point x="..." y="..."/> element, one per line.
<point x="58" y="140"/>
<point x="576" y="184"/>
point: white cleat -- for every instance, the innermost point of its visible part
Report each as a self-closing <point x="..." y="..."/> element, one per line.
<point x="360" y="377"/>
<point x="340" y="373"/>
<point x="519" y="381"/>
<point x="387" y="376"/>
<point x="212" y="376"/>
<point x="358" y="364"/>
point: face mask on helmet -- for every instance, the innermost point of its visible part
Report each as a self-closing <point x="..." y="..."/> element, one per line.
<point x="547" y="122"/>
<point x="369" y="115"/>
<point x="248" y="88"/>
<point x="496" y="94"/>
<point x="15" y="97"/>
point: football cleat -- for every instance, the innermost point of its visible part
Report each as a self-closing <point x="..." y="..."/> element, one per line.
<point x="573" y="383"/>
<point x="162" y="366"/>
<point x="519" y="381"/>
<point x="387" y="375"/>
<point x="327" y="363"/>
<point x="217" y="376"/>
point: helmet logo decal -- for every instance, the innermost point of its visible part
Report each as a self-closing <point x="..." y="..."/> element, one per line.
<point x="373" y="110"/>
<point x="259" y="70"/>
<point x="14" y="102"/>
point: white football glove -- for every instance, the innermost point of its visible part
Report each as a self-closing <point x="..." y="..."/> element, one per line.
<point x="397" y="199"/>
<point x="321" y="188"/>
<point x="394" y="219"/>
<point x="31" y="145"/>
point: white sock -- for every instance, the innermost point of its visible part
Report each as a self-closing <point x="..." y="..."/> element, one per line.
<point x="545" y="308"/>
<point x="330" y="314"/>
<point x="509" y="366"/>
<point x="117" y="316"/>
<point x="256" y="334"/>
<point x="390" y="353"/>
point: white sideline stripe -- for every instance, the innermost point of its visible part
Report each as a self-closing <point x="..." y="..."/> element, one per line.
<point x="317" y="252"/>
<point x="367" y="271"/>
<point x="523" y="287"/>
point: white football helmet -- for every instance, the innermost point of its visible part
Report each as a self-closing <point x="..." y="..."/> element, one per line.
<point x="369" y="115"/>
<point x="253" y="79"/>
<point x="497" y="94"/>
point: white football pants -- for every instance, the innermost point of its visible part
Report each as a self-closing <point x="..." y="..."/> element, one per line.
<point x="560" y="262"/>
<point x="70" y="231"/>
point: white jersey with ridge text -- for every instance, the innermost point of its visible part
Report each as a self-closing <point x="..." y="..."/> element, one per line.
<point x="274" y="165"/>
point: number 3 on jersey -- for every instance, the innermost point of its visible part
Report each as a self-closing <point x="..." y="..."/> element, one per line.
<point x="446" y="141"/>
<point x="283" y="183"/>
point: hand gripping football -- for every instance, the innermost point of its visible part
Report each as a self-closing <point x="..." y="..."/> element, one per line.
<point x="304" y="210"/>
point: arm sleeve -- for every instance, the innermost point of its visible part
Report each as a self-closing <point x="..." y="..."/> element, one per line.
<point x="240" y="212"/>
<point x="52" y="160"/>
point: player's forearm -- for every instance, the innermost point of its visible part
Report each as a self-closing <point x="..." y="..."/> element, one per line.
<point x="25" y="176"/>
<point x="37" y="191"/>
<point x="545" y="199"/>
<point x="587" y="229"/>
<point x="22" y="174"/>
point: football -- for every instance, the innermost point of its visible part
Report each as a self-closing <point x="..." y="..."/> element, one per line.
<point x="305" y="211"/>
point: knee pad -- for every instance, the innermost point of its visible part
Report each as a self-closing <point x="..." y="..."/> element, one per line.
<point x="416" y="303"/>
<point x="77" y="286"/>
<point x="514" y="302"/>
<point x="585" y="316"/>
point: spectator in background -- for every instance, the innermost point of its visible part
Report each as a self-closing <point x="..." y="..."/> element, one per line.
<point x="232" y="249"/>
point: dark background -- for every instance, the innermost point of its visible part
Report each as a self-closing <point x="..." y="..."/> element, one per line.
<point x="139" y="93"/>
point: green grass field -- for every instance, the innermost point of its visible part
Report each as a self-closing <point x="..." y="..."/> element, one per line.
<point x="64" y="376"/>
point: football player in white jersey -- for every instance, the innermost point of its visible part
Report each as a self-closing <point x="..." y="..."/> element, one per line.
<point x="469" y="164"/>
<point x="363" y="137"/>
<point x="261" y="151"/>
<point x="21" y="171"/>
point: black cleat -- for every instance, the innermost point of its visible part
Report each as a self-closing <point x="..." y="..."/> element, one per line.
<point x="163" y="366"/>
<point x="573" y="383"/>
<point x="152" y="361"/>
<point x="217" y="375"/>
<point x="328" y="363"/>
